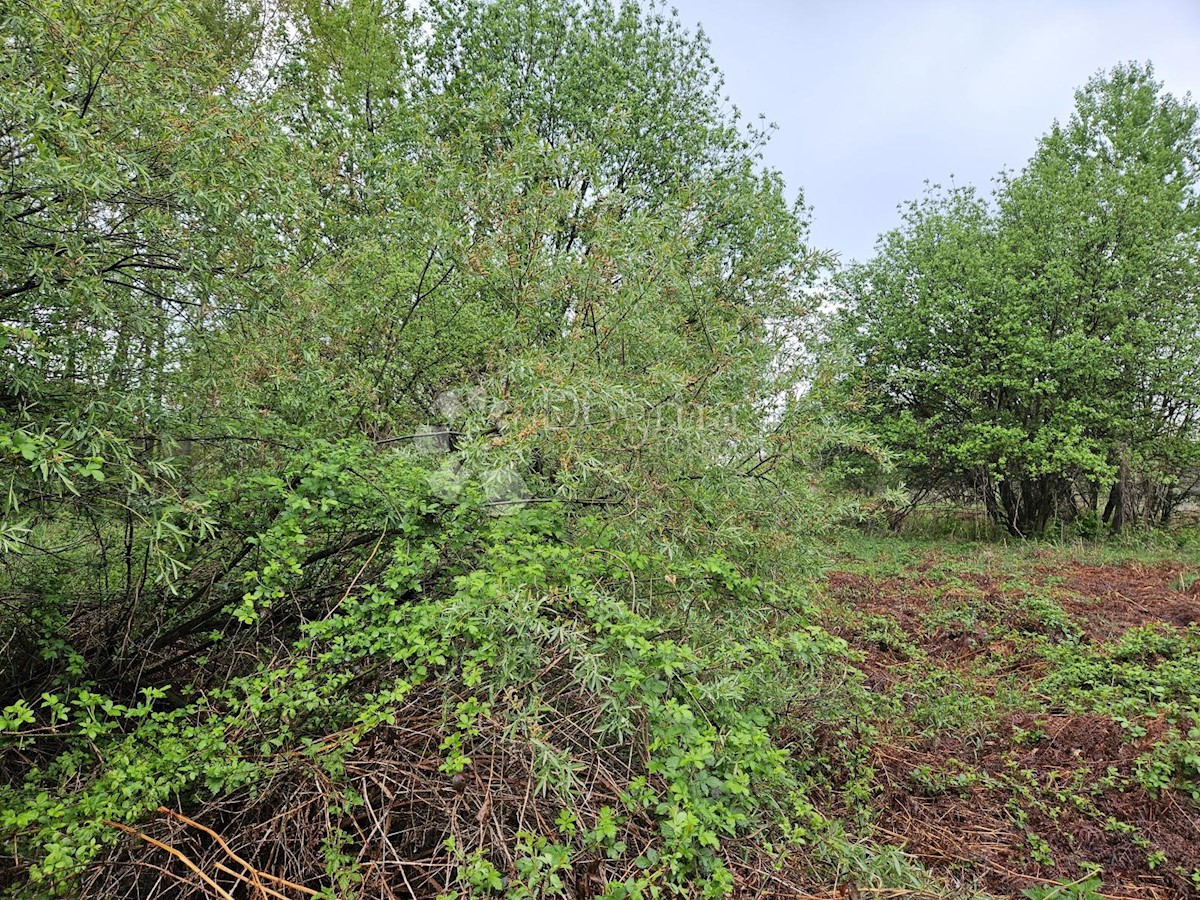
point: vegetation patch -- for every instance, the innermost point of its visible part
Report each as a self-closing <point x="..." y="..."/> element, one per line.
<point x="1014" y="747"/>
<point x="435" y="463"/>
<point x="1109" y="599"/>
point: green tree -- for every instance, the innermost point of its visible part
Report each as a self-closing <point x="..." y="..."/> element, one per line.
<point x="547" y="203"/>
<point x="136" y="219"/>
<point x="1101" y="230"/>
<point x="141" y="213"/>
<point x="1041" y="349"/>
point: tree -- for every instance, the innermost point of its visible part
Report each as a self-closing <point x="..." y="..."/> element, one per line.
<point x="1042" y="349"/>
<point x="244" y="269"/>
<point x="548" y="203"/>
<point x="135" y="221"/>
<point x="1104" y="225"/>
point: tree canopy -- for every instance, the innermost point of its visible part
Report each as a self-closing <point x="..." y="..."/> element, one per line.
<point x="367" y="362"/>
<point x="1038" y="349"/>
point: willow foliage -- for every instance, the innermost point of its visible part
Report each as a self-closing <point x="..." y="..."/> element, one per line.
<point x="365" y="360"/>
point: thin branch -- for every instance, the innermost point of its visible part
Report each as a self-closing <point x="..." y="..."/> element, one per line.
<point x="179" y="855"/>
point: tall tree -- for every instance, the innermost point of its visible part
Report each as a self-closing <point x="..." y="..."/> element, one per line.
<point x="548" y="202"/>
<point x="135" y="218"/>
<point x="1101" y="232"/>
<point x="1042" y="350"/>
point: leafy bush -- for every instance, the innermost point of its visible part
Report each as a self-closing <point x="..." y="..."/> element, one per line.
<point x="520" y="656"/>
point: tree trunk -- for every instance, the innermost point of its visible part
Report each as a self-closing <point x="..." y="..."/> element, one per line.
<point x="1118" y="512"/>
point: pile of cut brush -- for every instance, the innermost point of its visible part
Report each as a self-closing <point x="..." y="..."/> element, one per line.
<point x="456" y="704"/>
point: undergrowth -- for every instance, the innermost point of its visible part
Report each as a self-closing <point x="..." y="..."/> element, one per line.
<point x="549" y="729"/>
<point x="1027" y="732"/>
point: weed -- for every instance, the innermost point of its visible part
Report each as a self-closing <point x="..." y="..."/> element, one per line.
<point x="1087" y="888"/>
<point x="886" y="634"/>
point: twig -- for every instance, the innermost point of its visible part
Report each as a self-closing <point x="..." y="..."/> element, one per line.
<point x="179" y="855"/>
<point x="224" y="846"/>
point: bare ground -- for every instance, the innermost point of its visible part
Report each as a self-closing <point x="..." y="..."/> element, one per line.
<point x="1036" y="795"/>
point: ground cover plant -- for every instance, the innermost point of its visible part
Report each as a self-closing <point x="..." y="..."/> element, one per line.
<point x="1035" y="716"/>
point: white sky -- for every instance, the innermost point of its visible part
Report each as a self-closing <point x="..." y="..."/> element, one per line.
<point x="874" y="97"/>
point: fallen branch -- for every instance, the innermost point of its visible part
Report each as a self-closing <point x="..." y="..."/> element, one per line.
<point x="255" y="873"/>
<point x="178" y="854"/>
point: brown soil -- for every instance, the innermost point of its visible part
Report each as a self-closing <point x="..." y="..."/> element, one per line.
<point x="973" y="823"/>
<point x="909" y="601"/>
<point x="968" y="805"/>
<point x="1105" y="601"/>
<point x="1110" y="599"/>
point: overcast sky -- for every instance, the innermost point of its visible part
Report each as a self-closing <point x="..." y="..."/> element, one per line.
<point x="874" y="97"/>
